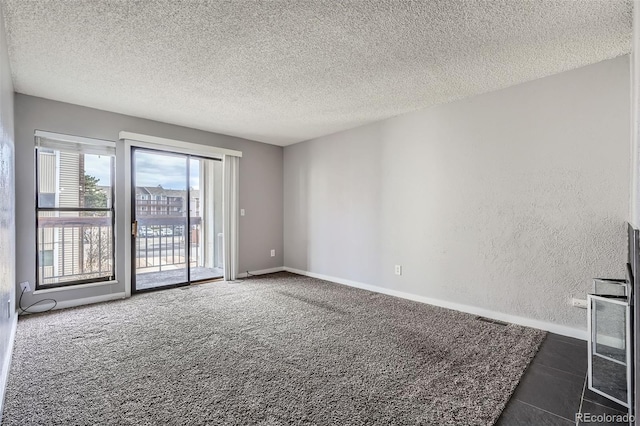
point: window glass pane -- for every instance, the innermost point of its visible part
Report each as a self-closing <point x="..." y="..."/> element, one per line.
<point x="47" y="172"/>
<point x="46" y="258"/>
<point x="609" y="324"/>
<point x="46" y="200"/>
<point x="74" y="246"/>
<point x="79" y="180"/>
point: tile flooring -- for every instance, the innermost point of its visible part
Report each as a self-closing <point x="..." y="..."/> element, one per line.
<point x="553" y="389"/>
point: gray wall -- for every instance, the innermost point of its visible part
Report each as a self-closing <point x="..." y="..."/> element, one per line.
<point x="260" y="183"/>
<point x="7" y="212"/>
<point x="509" y="201"/>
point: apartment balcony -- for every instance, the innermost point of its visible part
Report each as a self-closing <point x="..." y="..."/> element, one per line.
<point x="162" y="251"/>
<point x="80" y="249"/>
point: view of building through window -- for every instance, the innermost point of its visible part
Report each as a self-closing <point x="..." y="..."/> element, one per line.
<point x="178" y="211"/>
<point x="74" y="217"/>
<point x="177" y="207"/>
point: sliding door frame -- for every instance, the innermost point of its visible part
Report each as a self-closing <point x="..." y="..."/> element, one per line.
<point x="133" y="140"/>
<point x="134" y="218"/>
<point x="187" y="228"/>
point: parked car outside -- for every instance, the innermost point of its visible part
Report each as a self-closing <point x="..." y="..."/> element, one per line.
<point x="143" y="231"/>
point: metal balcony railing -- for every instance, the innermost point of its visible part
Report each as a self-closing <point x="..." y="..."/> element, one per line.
<point x="162" y="241"/>
<point x="81" y="248"/>
<point x="74" y="249"/>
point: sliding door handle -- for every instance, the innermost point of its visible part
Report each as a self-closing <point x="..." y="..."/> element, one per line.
<point x="134" y="228"/>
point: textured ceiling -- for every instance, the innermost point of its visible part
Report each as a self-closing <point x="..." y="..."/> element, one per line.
<point x="286" y="71"/>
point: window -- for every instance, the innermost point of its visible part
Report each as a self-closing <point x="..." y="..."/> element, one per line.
<point x="74" y="210"/>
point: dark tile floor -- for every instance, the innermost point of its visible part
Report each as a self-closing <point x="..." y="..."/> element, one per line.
<point x="553" y="389"/>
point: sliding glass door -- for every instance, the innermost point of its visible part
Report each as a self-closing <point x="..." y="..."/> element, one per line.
<point x="177" y="212"/>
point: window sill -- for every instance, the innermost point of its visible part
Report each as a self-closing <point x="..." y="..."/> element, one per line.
<point x="74" y="287"/>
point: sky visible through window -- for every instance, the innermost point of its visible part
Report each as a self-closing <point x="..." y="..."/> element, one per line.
<point x="98" y="166"/>
<point x="152" y="169"/>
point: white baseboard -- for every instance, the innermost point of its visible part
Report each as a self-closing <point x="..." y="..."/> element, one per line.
<point x="262" y="272"/>
<point x="527" y="322"/>
<point x="77" y="302"/>
<point x="6" y="365"/>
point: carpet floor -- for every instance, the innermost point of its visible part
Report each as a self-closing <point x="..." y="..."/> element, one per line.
<point x="273" y="350"/>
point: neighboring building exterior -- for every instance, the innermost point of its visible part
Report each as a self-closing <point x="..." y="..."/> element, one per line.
<point x="152" y="201"/>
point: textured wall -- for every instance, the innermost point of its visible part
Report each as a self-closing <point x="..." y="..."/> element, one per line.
<point x="260" y="183"/>
<point x="7" y="212"/>
<point x="509" y="201"/>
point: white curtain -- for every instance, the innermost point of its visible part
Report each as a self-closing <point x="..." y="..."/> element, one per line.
<point x="230" y="216"/>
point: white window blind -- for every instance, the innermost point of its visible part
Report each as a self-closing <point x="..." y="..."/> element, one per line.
<point x="76" y="144"/>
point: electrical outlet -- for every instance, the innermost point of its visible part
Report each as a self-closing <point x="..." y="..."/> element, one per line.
<point x="241" y="212"/>
<point x="579" y="303"/>
<point x="25" y="286"/>
<point x="273" y="253"/>
<point x="398" y="269"/>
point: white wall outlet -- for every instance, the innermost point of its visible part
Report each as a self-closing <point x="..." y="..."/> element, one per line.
<point x="241" y="212"/>
<point x="579" y="303"/>
<point x="398" y="269"/>
<point x="25" y="287"/>
<point x="273" y="253"/>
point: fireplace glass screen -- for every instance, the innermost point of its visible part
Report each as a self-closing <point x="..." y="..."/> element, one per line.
<point x="609" y="347"/>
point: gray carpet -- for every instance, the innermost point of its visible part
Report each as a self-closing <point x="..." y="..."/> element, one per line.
<point x="273" y="350"/>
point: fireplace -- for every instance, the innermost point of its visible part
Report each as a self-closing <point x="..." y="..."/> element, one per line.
<point x="612" y="322"/>
<point x="610" y="340"/>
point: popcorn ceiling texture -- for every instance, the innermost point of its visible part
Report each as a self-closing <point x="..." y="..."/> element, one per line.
<point x="286" y="71"/>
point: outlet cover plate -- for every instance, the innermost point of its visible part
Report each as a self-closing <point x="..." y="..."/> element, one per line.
<point x="25" y="286"/>
<point x="579" y="303"/>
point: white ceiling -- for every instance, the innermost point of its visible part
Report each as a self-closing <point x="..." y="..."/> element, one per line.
<point x="286" y="71"/>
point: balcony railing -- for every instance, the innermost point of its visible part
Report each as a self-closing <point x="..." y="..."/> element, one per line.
<point x="74" y="249"/>
<point x="162" y="242"/>
<point x="81" y="248"/>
